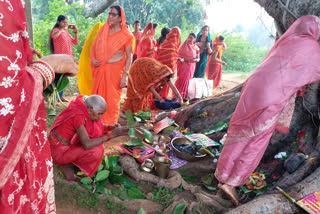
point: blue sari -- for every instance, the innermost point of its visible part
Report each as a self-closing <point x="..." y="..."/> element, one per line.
<point x="201" y="66"/>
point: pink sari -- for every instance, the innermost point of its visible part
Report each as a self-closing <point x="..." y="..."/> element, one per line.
<point x="268" y="95"/>
<point x="185" y="70"/>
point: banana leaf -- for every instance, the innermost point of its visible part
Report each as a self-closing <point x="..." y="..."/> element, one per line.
<point x="218" y="127"/>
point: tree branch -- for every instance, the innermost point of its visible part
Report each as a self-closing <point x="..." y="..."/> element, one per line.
<point x="96" y="8"/>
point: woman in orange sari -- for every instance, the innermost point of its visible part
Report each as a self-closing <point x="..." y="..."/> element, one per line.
<point x="147" y="77"/>
<point x="214" y="69"/>
<point x="111" y="57"/>
<point x="147" y="45"/>
<point x="168" y="54"/>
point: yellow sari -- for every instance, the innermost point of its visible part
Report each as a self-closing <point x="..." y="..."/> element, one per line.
<point x="84" y="73"/>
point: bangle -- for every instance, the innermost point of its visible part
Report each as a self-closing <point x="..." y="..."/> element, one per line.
<point x="109" y="137"/>
<point x="45" y="70"/>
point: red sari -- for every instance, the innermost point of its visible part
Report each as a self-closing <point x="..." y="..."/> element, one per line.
<point x="26" y="184"/>
<point x="147" y="43"/>
<point x="88" y="161"/>
<point x="214" y="69"/>
<point x="168" y="54"/>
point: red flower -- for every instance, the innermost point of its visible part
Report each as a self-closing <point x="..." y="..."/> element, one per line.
<point x="301" y="134"/>
<point x="301" y="144"/>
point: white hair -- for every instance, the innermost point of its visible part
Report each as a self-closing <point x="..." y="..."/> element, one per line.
<point x="96" y="102"/>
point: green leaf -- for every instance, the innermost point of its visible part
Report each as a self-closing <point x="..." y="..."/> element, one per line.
<point x="207" y="180"/>
<point x="86" y="180"/>
<point x="113" y="161"/>
<point x="129" y="184"/>
<point x="87" y="186"/>
<point x="218" y="127"/>
<point x="210" y="188"/>
<point x="100" y="185"/>
<point x="52" y="112"/>
<point x="179" y="209"/>
<point x="141" y="211"/>
<point x="100" y="167"/>
<point x="117" y="170"/>
<point x="132" y="132"/>
<point x="106" y="162"/>
<point x="147" y="135"/>
<point x="102" y="175"/>
<point x="134" y="193"/>
<point x="115" y="179"/>
<point x="129" y="117"/>
<point x="62" y="83"/>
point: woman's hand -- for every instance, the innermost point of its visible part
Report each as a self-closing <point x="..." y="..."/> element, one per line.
<point x="224" y="63"/>
<point x="75" y="30"/>
<point x="62" y="64"/>
<point x="199" y="44"/>
<point x="180" y="100"/>
<point x="123" y="82"/>
<point x="96" y="63"/>
<point x="119" y="131"/>
<point x="34" y="51"/>
<point x="161" y="100"/>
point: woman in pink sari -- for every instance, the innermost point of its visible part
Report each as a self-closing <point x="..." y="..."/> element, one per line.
<point x="188" y="57"/>
<point x="267" y="102"/>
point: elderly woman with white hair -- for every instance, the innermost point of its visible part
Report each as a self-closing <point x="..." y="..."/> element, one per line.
<point x="77" y="136"/>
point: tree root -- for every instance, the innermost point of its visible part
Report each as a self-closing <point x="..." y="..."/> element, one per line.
<point x="277" y="203"/>
<point x="174" y="180"/>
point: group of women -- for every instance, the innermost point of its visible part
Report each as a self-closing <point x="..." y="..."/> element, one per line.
<point x="111" y="48"/>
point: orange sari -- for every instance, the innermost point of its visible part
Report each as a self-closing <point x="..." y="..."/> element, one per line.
<point x="144" y="73"/>
<point x="214" y="69"/>
<point x="147" y="43"/>
<point x="168" y="54"/>
<point x="106" y="77"/>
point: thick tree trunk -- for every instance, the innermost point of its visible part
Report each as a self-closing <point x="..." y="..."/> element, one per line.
<point x="97" y="7"/>
<point x="295" y="8"/>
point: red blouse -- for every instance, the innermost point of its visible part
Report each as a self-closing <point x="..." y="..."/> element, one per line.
<point x="63" y="43"/>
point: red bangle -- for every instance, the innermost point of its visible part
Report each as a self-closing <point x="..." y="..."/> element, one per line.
<point x="109" y="137"/>
<point x="45" y="70"/>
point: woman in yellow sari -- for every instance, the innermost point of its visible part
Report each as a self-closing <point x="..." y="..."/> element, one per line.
<point x="84" y="73"/>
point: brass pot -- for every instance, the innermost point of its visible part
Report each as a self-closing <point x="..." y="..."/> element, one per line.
<point x="162" y="166"/>
<point x="188" y="157"/>
<point x="147" y="165"/>
<point x="164" y="139"/>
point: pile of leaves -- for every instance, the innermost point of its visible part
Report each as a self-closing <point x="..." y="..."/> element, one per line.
<point x="110" y="171"/>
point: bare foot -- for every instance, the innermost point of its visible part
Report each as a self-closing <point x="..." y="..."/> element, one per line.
<point x="68" y="172"/>
<point x="231" y="193"/>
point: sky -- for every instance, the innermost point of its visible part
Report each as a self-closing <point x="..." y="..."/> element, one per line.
<point x="226" y="14"/>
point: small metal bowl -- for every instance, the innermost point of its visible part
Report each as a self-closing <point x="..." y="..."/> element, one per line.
<point x="164" y="139"/>
<point x="188" y="157"/>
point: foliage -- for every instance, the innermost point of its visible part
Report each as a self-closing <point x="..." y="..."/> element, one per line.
<point x="109" y="170"/>
<point x="45" y="19"/>
<point x="163" y="196"/>
<point x="179" y="209"/>
<point x="241" y="55"/>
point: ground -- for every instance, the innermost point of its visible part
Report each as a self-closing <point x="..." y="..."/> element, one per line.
<point x="229" y="81"/>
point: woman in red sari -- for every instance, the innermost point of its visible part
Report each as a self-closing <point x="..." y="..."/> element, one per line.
<point x="137" y="34"/>
<point x="147" y="45"/>
<point x="267" y="102"/>
<point x="77" y="136"/>
<point x="188" y="57"/>
<point x="214" y="68"/>
<point x="147" y="78"/>
<point x="168" y="54"/>
<point x="111" y="58"/>
<point x="26" y="184"/>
